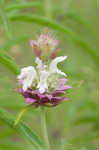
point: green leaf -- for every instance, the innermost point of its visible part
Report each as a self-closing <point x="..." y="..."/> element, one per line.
<point x="8" y="62"/>
<point x="23" y="6"/>
<point x="22" y="129"/>
<point x="32" y="137"/>
<point x="56" y="26"/>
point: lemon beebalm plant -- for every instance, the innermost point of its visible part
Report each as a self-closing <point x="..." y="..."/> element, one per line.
<point x="44" y="85"/>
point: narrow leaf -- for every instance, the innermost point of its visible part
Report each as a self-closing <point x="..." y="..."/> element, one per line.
<point x="23" y="6"/>
<point x="22" y="129"/>
<point x="9" y="63"/>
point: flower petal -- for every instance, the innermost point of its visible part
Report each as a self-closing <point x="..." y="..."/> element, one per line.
<point x="53" y="66"/>
<point x="30" y="100"/>
<point x="42" y="85"/>
<point x="28" y="74"/>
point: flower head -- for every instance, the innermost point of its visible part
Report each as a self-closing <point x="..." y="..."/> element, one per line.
<point x="44" y="84"/>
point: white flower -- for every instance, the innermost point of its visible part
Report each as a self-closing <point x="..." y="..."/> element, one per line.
<point x="42" y="85"/>
<point x="28" y="75"/>
<point x="53" y="66"/>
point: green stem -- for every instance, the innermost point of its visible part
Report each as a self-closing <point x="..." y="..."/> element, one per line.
<point x="44" y="128"/>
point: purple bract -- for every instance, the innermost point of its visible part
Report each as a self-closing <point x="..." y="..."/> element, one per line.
<point x="49" y="100"/>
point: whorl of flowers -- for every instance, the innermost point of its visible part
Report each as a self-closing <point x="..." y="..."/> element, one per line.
<point x="44" y="84"/>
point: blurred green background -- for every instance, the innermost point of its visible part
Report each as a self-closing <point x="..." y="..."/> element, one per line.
<point x="75" y="124"/>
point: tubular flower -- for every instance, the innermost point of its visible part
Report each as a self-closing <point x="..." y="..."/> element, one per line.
<point x="44" y="84"/>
